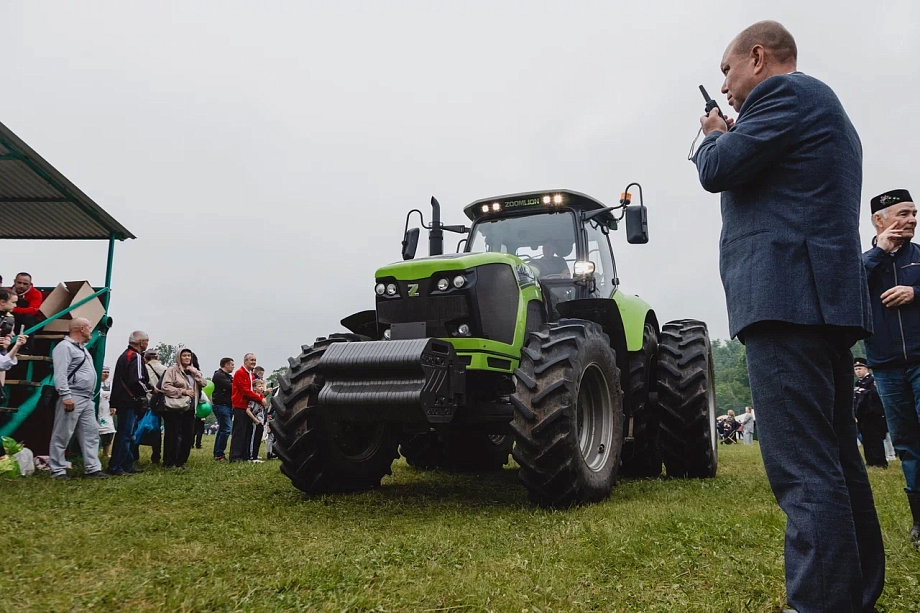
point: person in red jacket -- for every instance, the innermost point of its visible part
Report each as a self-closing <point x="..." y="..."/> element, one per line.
<point x="30" y="299"/>
<point x="241" y="394"/>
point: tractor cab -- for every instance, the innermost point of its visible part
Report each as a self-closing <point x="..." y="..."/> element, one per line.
<point x="562" y="237"/>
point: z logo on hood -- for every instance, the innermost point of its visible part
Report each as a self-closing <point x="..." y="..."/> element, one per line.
<point x="413" y="290"/>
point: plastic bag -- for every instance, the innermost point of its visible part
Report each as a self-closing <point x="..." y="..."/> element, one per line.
<point x="9" y="469"/>
<point x="26" y="462"/>
<point x="148" y="423"/>
<point x="10" y="446"/>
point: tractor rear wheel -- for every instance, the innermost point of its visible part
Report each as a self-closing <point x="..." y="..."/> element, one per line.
<point x="644" y="460"/>
<point x="319" y="454"/>
<point x="686" y="396"/>
<point x="568" y="414"/>
<point x="423" y="451"/>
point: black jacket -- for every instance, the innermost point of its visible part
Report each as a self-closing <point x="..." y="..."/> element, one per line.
<point x="223" y="388"/>
<point x="896" y="341"/>
<point x="130" y="381"/>
<point x="866" y="401"/>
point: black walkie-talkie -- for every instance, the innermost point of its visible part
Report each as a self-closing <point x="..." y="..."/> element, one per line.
<point x="711" y="104"/>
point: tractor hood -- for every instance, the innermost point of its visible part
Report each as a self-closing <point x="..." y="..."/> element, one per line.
<point x="425" y="267"/>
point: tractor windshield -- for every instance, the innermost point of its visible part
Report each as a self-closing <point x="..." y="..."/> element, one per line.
<point x="546" y="241"/>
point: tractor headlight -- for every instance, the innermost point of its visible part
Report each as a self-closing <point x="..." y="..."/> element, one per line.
<point x="459" y="281"/>
<point x="443" y="284"/>
<point x="584" y="268"/>
<point x="380" y="289"/>
<point x="387" y="334"/>
<point x="463" y="330"/>
<point x="391" y="289"/>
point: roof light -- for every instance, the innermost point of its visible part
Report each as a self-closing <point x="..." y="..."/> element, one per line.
<point x="625" y="198"/>
<point x="557" y="199"/>
<point x="496" y="206"/>
<point x="485" y="208"/>
<point x="547" y="199"/>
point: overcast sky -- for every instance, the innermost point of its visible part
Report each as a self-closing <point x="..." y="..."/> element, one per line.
<point x="265" y="153"/>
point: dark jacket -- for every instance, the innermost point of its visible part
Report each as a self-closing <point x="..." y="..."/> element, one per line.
<point x="223" y="388"/>
<point x="790" y="174"/>
<point x="866" y="401"/>
<point x="896" y="341"/>
<point x="130" y="381"/>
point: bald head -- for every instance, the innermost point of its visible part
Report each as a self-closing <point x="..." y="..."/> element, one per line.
<point x="761" y="51"/>
<point x="80" y="330"/>
<point x="772" y="36"/>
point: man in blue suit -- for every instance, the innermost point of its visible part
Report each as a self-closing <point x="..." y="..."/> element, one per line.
<point x="790" y="174"/>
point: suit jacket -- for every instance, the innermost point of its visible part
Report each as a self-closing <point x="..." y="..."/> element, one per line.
<point x="790" y="174"/>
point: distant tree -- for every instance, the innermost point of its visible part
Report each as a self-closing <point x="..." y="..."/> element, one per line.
<point x="168" y="353"/>
<point x="733" y="389"/>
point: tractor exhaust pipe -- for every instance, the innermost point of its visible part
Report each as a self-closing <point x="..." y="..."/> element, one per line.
<point x="435" y="234"/>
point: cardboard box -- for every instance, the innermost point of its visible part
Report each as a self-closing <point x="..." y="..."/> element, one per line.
<point x="66" y="294"/>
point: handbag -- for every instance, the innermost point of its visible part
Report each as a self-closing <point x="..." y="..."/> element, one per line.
<point x="183" y="403"/>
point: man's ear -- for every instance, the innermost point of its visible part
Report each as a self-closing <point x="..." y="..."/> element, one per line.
<point x="757" y="54"/>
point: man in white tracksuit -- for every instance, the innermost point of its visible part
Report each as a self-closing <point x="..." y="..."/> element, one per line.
<point x="75" y="382"/>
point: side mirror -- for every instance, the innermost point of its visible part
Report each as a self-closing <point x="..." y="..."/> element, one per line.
<point x="410" y="244"/>
<point x="636" y="224"/>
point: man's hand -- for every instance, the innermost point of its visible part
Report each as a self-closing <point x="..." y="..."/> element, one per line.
<point x="68" y="405"/>
<point x="112" y="410"/>
<point x="898" y="295"/>
<point x="713" y="123"/>
<point x="21" y="340"/>
<point x="890" y="238"/>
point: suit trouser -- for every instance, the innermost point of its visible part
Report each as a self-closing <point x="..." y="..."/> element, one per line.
<point x="81" y="420"/>
<point x="242" y="434"/>
<point x="802" y="385"/>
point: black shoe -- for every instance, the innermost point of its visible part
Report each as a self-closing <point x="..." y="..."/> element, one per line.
<point x="96" y="475"/>
<point x="914" y="499"/>
<point x="134" y="471"/>
<point x="61" y="477"/>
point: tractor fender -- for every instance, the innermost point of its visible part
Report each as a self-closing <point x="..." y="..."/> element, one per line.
<point x="605" y="312"/>
<point x="635" y="313"/>
<point x="363" y="323"/>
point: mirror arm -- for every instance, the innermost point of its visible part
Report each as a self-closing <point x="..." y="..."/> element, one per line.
<point x="421" y="217"/>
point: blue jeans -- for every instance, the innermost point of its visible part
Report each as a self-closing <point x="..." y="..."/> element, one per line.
<point x="802" y="388"/>
<point x="224" y="417"/>
<point x="122" y="457"/>
<point x="900" y="392"/>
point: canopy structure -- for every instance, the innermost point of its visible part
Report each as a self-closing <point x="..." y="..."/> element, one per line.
<point x="38" y="203"/>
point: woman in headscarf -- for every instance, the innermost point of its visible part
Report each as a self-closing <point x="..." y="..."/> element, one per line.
<point x="181" y="384"/>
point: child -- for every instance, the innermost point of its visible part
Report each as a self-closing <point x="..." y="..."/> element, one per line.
<point x="8" y="299"/>
<point x="256" y="413"/>
<point x="106" y="423"/>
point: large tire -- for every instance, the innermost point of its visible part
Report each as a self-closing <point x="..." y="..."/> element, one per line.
<point x="568" y="414"/>
<point x="319" y="454"/>
<point x="644" y="459"/>
<point x="458" y="451"/>
<point x="686" y="397"/>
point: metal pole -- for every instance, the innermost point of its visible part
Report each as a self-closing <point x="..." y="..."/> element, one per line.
<point x="99" y="352"/>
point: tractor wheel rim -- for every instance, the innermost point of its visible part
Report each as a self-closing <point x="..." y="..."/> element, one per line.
<point x="594" y="412"/>
<point x="358" y="442"/>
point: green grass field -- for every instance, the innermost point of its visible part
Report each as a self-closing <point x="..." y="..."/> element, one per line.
<point x="222" y="537"/>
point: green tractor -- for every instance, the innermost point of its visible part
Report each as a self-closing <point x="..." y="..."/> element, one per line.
<point x="524" y="344"/>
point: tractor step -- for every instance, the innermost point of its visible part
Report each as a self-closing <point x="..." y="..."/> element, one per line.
<point x="407" y="381"/>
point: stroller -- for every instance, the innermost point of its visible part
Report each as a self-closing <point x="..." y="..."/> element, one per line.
<point x="729" y="430"/>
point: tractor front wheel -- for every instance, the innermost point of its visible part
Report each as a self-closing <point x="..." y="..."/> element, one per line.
<point x="319" y="454"/>
<point x="644" y="459"/>
<point x="568" y="414"/>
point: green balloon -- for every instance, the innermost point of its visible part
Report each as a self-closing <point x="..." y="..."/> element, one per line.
<point x="203" y="410"/>
<point x="209" y="389"/>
